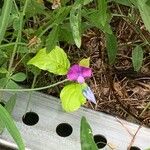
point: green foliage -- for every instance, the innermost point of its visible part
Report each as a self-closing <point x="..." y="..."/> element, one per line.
<point x="137" y="58"/>
<point x="11" y="127"/>
<point x="52" y="39"/>
<point x="34" y="8"/>
<point x="102" y="7"/>
<point x="18" y="77"/>
<point x="85" y="62"/>
<point x="75" y="23"/>
<point x="4" y="18"/>
<point x="71" y="97"/>
<point x="111" y="45"/>
<point x="144" y="9"/>
<point x="9" y="106"/>
<point x="86" y="136"/>
<point x="126" y="2"/>
<point x="55" y="62"/>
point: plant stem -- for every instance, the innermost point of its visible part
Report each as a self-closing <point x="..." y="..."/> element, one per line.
<point x="34" y="89"/>
<point x="146" y="107"/>
<point x="30" y="93"/>
<point x="18" y="35"/>
<point x="13" y="43"/>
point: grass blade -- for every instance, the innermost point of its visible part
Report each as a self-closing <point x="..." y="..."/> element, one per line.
<point x="86" y="136"/>
<point x="144" y="9"/>
<point x="11" y="127"/>
<point x="9" y="106"/>
<point x="4" y="18"/>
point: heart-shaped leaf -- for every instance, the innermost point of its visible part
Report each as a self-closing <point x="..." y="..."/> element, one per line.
<point x="55" y="62"/>
<point x="71" y="97"/>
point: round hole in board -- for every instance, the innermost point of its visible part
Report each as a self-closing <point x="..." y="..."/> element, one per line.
<point x="134" y="148"/>
<point x="2" y="103"/>
<point x="100" y="141"/>
<point x="64" y="129"/>
<point x="30" y="118"/>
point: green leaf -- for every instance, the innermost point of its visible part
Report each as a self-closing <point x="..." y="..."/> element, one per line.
<point x="86" y="136"/>
<point x="18" y="77"/>
<point x="52" y="39"/>
<point x="3" y="82"/>
<point x="4" y="18"/>
<point x="93" y="17"/>
<point x="36" y="71"/>
<point x="137" y="58"/>
<point x="148" y="2"/>
<point x="65" y="34"/>
<point x="3" y="70"/>
<point x="61" y="15"/>
<point x="71" y="97"/>
<point x="55" y="62"/>
<point x="9" y="106"/>
<point x="11" y="127"/>
<point x="111" y="45"/>
<point x="12" y="85"/>
<point x="75" y="23"/>
<point x="85" y="62"/>
<point x="102" y="4"/>
<point x="145" y="12"/>
<point x="34" y="8"/>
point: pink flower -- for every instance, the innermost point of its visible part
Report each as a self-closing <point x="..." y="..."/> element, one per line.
<point x="79" y="73"/>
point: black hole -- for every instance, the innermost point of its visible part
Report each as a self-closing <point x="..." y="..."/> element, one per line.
<point x="30" y="118"/>
<point x="5" y="147"/>
<point x="134" y="148"/>
<point x="3" y="104"/>
<point x="64" y="129"/>
<point x="100" y="141"/>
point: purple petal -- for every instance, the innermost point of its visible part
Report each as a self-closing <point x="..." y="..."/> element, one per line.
<point x="78" y="73"/>
<point x="80" y="79"/>
<point x="73" y="72"/>
<point x="86" y="72"/>
<point x="87" y="92"/>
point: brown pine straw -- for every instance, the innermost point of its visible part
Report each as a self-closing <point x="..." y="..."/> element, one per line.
<point x="124" y="127"/>
<point x="133" y="139"/>
<point x="133" y="135"/>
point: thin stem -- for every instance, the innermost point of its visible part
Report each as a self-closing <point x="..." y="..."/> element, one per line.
<point x="13" y="43"/>
<point x="18" y="35"/>
<point x="30" y="93"/>
<point x="43" y="32"/>
<point x="34" y="89"/>
<point x="19" y="61"/>
<point x="146" y="107"/>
